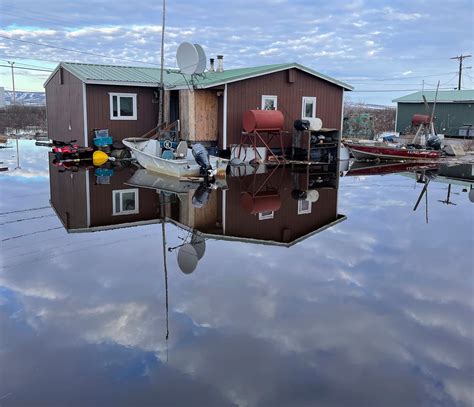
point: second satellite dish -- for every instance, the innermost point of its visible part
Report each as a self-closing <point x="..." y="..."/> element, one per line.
<point x="191" y="58"/>
<point x="187" y="258"/>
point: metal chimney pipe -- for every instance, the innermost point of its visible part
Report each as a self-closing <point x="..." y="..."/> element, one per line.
<point x="211" y="62"/>
<point x="220" y="66"/>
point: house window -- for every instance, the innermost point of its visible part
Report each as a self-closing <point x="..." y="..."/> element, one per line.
<point x="123" y="106"/>
<point x="304" y="207"/>
<point x="265" y="215"/>
<point x="269" y="102"/>
<point x="125" y="201"/>
<point x="308" y="109"/>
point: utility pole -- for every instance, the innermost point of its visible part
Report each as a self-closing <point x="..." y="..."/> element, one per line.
<point x="160" y="108"/>
<point x="460" y="58"/>
<point x="13" y="82"/>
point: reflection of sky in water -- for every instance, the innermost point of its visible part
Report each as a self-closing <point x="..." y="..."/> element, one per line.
<point x="376" y="310"/>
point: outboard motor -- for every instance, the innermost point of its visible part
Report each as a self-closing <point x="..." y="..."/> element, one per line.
<point x="201" y="196"/>
<point x="201" y="156"/>
<point x="434" y="142"/>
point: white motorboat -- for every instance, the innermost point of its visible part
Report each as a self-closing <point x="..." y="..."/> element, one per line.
<point x="165" y="158"/>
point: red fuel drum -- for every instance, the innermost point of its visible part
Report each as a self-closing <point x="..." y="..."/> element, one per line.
<point x="418" y="119"/>
<point x="264" y="120"/>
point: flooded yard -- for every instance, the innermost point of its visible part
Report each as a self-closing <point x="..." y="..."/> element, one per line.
<point x="115" y="289"/>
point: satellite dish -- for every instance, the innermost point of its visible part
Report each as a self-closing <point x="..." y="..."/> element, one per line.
<point x="187" y="258"/>
<point x="187" y="57"/>
<point x="312" y="195"/>
<point x="199" y="244"/>
<point x="201" y="66"/>
<point x="471" y="195"/>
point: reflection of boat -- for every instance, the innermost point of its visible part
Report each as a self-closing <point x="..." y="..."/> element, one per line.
<point x="382" y="151"/>
<point x="160" y="182"/>
<point x="154" y="156"/>
<point x="359" y="168"/>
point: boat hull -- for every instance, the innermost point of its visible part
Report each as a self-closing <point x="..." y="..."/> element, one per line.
<point x="373" y="152"/>
<point x="143" y="150"/>
<point x="393" y="167"/>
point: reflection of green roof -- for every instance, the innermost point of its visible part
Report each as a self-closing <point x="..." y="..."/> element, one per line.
<point x="444" y="96"/>
<point x="130" y="75"/>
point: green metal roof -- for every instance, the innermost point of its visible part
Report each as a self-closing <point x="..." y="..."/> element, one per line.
<point x="446" y="96"/>
<point x="95" y="73"/>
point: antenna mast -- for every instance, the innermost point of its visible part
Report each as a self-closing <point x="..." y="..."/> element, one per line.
<point x="160" y="109"/>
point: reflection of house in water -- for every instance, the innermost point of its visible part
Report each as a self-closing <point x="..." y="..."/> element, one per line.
<point x="83" y="205"/>
<point x="264" y="208"/>
<point x="276" y="206"/>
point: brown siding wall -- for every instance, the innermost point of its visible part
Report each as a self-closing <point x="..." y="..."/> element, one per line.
<point x="64" y="108"/>
<point x="287" y="225"/>
<point x="98" y="111"/>
<point x="102" y="207"/>
<point x="247" y="94"/>
<point x="68" y="196"/>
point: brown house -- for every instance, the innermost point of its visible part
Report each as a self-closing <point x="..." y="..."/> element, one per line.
<point x="123" y="99"/>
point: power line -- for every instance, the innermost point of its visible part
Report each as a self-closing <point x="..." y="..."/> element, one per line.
<point x="28" y="69"/>
<point x="22" y="63"/>
<point x="48" y="15"/>
<point x="400" y="78"/>
<point x="32" y="233"/>
<point x="397" y="90"/>
<point x="75" y="50"/>
<point x="26" y="210"/>
<point x="460" y="58"/>
<point x="34" y="59"/>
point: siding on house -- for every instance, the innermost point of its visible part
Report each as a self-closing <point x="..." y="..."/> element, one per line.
<point x="64" y="106"/>
<point x="449" y="116"/>
<point x="286" y="225"/>
<point x="98" y="111"/>
<point x="68" y="196"/>
<point x="245" y="95"/>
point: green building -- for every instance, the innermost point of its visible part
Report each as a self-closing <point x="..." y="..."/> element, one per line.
<point x="454" y="109"/>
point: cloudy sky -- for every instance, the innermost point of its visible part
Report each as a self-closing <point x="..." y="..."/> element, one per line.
<point x="377" y="46"/>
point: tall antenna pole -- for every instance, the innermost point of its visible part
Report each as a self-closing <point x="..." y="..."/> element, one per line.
<point x="13" y="82"/>
<point x="160" y="109"/>
<point x="460" y="58"/>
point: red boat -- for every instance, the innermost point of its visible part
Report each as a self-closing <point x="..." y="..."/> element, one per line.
<point x="386" y="152"/>
<point x="367" y="168"/>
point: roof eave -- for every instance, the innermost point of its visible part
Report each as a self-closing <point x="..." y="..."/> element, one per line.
<point x="51" y="76"/>
<point x="119" y="83"/>
<point x="279" y="69"/>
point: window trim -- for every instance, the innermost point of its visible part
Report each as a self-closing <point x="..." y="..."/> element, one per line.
<point x="302" y="211"/>
<point x="274" y="97"/>
<point x="123" y="191"/>
<point x="265" y="216"/>
<point x="303" y="106"/>
<point x="119" y="95"/>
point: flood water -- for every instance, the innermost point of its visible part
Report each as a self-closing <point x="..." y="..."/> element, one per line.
<point x="346" y="298"/>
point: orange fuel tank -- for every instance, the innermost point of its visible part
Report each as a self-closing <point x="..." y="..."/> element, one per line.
<point x="263" y="120"/>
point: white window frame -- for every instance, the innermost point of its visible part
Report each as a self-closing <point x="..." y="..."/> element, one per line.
<point x="303" y="106"/>
<point x="273" y="97"/>
<point x="119" y="211"/>
<point x="301" y="210"/>
<point x="266" y="215"/>
<point x="119" y="95"/>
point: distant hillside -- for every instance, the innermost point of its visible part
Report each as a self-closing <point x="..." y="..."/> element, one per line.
<point x="26" y="98"/>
